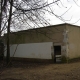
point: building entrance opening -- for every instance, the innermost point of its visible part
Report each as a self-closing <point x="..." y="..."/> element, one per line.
<point x="57" y="53"/>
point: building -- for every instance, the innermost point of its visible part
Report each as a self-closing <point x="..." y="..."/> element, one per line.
<point x="46" y="43"/>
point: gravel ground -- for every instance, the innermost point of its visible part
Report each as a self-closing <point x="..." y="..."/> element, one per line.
<point x="40" y="71"/>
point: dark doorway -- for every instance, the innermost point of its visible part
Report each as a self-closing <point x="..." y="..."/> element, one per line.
<point x="57" y="51"/>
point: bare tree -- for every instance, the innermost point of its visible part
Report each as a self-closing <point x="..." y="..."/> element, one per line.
<point x="15" y="12"/>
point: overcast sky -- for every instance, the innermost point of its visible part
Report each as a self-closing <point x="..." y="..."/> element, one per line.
<point x="71" y="16"/>
<point x="69" y="10"/>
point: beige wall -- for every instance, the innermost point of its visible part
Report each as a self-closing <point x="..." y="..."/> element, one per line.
<point x="73" y="41"/>
<point x="66" y="35"/>
<point x="49" y="34"/>
<point x="54" y="34"/>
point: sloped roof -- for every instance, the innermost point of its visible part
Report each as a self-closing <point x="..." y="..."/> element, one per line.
<point x="63" y="24"/>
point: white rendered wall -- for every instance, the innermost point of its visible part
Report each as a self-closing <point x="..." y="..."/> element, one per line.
<point x="32" y="50"/>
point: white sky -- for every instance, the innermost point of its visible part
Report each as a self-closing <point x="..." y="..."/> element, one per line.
<point x="71" y="16"/>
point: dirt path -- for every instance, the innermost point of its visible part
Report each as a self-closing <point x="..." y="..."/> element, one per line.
<point x="38" y="71"/>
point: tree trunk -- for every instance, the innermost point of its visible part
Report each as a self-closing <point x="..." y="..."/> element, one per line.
<point x="8" y="33"/>
<point x="0" y="17"/>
